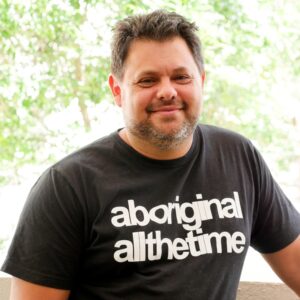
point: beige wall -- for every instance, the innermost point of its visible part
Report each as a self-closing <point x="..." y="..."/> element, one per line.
<point x="264" y="291"/>
<point x="247" y="291"/>
<point x="4" y="288"/>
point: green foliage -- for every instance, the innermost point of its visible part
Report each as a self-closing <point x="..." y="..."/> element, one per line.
<point x="2" y="244"/>
<point x="54" y="57"/>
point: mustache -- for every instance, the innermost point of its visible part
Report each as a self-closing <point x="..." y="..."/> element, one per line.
<point x="161" y="104"/>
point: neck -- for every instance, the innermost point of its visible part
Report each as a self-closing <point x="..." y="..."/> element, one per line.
<point x="149" y="150"/>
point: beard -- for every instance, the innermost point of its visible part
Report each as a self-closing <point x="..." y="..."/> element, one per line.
<point x="146" y="130"/>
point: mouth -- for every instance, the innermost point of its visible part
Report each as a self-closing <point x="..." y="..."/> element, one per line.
<point x="165" y="109"/>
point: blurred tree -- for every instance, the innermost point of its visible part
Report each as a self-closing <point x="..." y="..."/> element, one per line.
<point x="54" y="56"/>
<point x="50" y="58"/>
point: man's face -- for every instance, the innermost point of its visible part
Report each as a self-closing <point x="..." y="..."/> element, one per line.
<point x="160" y="92"/>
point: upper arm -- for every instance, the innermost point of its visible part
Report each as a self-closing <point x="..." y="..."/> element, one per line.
<point x="286" y="264"/>
<point x="24" y="290"/>
<point x="49" y="238"/>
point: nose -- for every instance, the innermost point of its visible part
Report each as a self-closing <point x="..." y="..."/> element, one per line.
<point x="166" y="90"/>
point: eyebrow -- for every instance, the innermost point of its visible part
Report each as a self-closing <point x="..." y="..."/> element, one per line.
<point x="152" y="72"/>
<point x="180" y="69"/>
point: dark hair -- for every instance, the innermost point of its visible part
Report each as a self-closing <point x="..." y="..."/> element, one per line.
<point x="158" y="25"/>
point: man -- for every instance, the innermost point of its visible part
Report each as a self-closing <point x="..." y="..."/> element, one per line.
<point x="162" y="209"/>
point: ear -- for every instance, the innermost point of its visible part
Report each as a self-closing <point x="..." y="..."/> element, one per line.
<point x="203" y="76"/>
<point x="115" y="89"/>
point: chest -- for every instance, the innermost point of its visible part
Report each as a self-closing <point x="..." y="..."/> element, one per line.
<point x="173" y="216"/>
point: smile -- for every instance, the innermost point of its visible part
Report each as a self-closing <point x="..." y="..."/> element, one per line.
<point x="165" y="109"/>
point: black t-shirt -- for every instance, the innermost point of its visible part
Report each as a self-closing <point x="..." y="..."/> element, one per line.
<point x="109" y="223"/>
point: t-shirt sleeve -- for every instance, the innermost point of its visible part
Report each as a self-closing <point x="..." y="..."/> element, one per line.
<point x="276" y="221"/>
<point x="47" y="244"/>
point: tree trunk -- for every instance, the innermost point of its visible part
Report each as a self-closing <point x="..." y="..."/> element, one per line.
<point x="81" y="102"/>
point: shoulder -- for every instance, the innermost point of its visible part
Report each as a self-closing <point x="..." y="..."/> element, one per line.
<point x="90" y="155"/>
<point x="217" y="136"/>
<point x="101" y="146"/>
<point x="84" y="163"/>
<point x="228" y="146"/>
<point x="69" y="177"/>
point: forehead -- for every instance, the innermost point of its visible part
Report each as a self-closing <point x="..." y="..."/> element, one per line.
<point x="150" y="55"/>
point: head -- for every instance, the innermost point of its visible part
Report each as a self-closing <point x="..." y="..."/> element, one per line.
<point x="157" y="79"/>
<point x="157" y="26"/>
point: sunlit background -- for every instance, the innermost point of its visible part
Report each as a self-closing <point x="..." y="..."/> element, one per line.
<point x="54" y="98"/>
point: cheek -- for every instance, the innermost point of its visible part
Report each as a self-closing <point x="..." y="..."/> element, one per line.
<point x="193" y="100"/>
<point x="134" y="106"/>
<point x="143" y="98"/>
<point x="193" y="95"/>
<point x="189" y="96"/>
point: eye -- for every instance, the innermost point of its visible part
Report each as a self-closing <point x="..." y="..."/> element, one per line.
<point x="182" y="78"/>
<point x="146" y="82"/>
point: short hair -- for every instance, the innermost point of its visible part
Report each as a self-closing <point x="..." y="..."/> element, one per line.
<point x="159" y="25"/>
